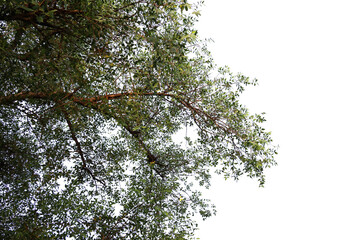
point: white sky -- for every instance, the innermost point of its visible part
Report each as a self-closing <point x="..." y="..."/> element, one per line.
<point x="306" y="55"/>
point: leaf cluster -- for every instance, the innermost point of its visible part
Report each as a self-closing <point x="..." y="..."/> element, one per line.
<point x="94" y="98"/>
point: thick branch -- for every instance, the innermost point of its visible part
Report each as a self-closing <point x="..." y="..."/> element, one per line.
<point x="53" y="95"/>
<point x="91" y="100"/>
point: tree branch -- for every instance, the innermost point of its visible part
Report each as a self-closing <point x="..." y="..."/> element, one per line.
<point x="53" y="95"/>
<point x="79" y="150"/>
<point x="151" y="158"/>
<point x="91" y="100"/>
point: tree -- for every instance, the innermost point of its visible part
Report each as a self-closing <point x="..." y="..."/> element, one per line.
<point x="95" y="96"/>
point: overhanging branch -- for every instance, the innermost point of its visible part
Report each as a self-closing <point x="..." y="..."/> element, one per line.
<point x="89" y="101"/>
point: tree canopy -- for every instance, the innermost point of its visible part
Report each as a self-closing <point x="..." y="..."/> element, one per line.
<point x="97" y="102"/>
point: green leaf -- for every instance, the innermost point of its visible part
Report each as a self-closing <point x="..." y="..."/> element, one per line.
<point x="27" y="9"/>
<point x="40" y="19"/>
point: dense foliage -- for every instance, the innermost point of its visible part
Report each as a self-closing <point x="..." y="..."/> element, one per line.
<point x="95" y="99"/>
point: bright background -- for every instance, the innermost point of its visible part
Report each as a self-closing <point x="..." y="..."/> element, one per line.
<point x="306" y="55"/>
